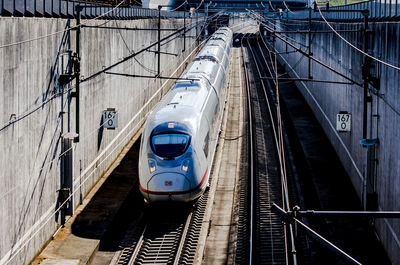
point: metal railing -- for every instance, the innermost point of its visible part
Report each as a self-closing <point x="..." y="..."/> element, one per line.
<point x="66" y="9"/>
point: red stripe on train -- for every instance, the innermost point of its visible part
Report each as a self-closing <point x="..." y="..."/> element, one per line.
<point x="175" y="192"/>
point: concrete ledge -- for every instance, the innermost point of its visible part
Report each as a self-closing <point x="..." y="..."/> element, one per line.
<point x="61" y="261"/>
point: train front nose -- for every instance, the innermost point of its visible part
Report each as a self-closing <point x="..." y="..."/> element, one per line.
<point x="166" y="186"/>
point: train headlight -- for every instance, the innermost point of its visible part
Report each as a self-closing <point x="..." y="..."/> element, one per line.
<point x="185" y="165"/>
<point x="152" y="166"/>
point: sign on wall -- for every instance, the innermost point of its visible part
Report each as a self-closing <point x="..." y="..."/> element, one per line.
<point x="110" y="119"/>
<point x="343" y="121"/>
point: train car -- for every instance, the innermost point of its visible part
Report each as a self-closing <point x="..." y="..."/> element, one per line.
<point x="180" y="135"/>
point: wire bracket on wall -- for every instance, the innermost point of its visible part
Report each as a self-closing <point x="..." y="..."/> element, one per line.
<point x="167" y="53"/>
<point x="67" y="77"/>
<point x="309" y="80"/>
<point x="152" y="76"/>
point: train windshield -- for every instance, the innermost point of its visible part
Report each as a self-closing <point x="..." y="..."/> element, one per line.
<point x="170" y="145"/>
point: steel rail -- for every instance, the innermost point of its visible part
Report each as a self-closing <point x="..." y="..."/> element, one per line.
<point x="282" y="151"/>
<point x="277" y="120"/>
<point x="161" y="247"/>
<point x="278" y="146"/>
<point x="182" y="241"/>
<point x="251" y="155"/>
<point x="268" y="28"/>
<point x="273" y="120"/>
<point x="137" y="248"/>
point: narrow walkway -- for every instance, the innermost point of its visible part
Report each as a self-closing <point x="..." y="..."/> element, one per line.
<point x="218" y="248"/>
<point x="80" y="238"/>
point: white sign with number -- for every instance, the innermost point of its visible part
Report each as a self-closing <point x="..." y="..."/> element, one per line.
<point x="343" y="122"/>
<point x="110" y="119"/>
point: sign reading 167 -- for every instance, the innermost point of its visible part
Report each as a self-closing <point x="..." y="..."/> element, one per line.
<point x="343" y="122"/>
<point x="110" y="119"/>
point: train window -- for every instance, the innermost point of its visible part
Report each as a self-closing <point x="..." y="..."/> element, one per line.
<point x="170" y="145"/>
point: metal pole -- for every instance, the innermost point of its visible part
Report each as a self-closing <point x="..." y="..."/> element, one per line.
<point x="197" y="23"/>
<point x="159" y="42"/>
<point x="328" y="244"/>
<point x="77" y="69"/>
<point x="284" y="214"/>
<point x="371" y="214"/>
<point x="365" y="78"/>
<point x="184" y="27"/>
<point x="287" y="23"/>
<point x="206" y="27"/>
<point x="309" y="44"/>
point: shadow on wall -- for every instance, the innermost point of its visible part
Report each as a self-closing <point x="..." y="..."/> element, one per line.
<point x="115" y="204"/>
<point x="31" y="205"/>
<point x="100" y="133"/>
<point x="53" y="90"/>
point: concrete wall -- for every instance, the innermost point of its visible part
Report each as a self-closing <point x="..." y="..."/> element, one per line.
<point x="327" y="100"/>
<point x="35" y="111"/>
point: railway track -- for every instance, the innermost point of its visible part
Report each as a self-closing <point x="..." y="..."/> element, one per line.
<point x="164" y="235"/>
<point x="267" y="237"/>
<point x="262" y="72"/>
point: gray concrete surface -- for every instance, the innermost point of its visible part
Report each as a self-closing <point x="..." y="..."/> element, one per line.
<point x="35" y="111"/>
<point x="327" y="100"/>
<point x="219" y="246"/>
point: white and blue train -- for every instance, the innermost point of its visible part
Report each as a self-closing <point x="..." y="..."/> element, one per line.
<point x="179" y="137"/>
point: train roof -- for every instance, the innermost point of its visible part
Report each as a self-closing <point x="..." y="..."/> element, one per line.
<point x="210" y="53"/>
<point x="207" y="68"/>
<point x="185" y="101"/>
<point x="182" y="104"/>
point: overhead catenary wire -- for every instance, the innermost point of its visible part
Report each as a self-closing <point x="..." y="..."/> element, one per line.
<point x="353" y="46"/>
<point x="332" y="127"/>
<point x="393" y="108"/>
<point x="176" y="8"/>
<point x="128" y="57"/>
<point x="287" y="8"/>
<point x="279" y="145"/>
<point x="270" y="4"/>
<point x="202" y="1"/>
<point x="312" y="57"/>
<point x="131" y="51"/>
<point x="298" y="61"/>
<point x="41" y="105"/>
<point x="57" y="32"/>
<point x="268" y="20"/>
<point x="18" y="250"/>
<point x="50" y="216"/>
<point x="95" y="130"/>
<point x="110" y="117"/>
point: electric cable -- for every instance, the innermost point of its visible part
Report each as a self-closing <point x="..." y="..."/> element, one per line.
<point x="260" y="19"/>
<point x="298" y="61"/>
<point x="50" y="216"/>
<point x="57" y="32"/>
<point x="355" y="47"/>
<point x="37" y="106"/>
<point x="128" y="103"/>
<point x="272" y="7"/>
<point x="185" y="2"/>
<point x="312" y="57"/>
<point x="287" y="8"/>
<point x="34" y="109"/>
<point x="132" y="51"/>
<point x="202" y="1"/>
<point x="40" y="105"/>
<point x="59" y="208"/>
